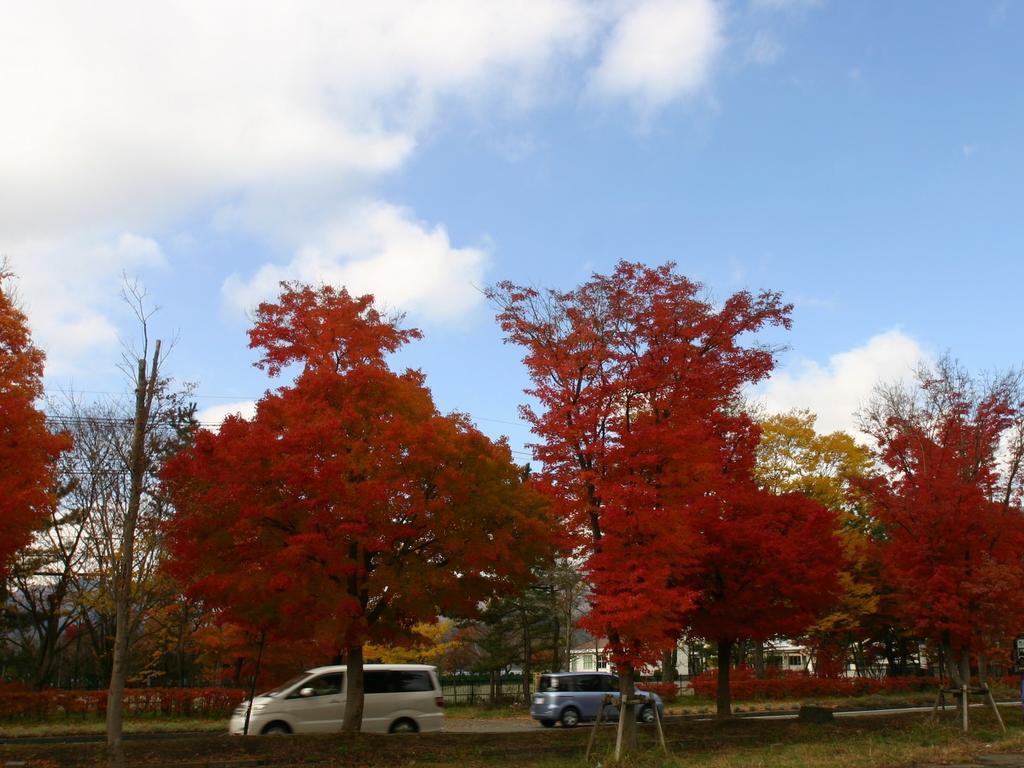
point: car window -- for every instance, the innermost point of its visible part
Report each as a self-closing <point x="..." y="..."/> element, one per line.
<point x="589" y="683"/>
<point x="396" y="681"/>
<point x="611" y="683"/>
<point x="376" y="681"/>
<point x="549" y="684"/>
<point x="322" y="685"/>
<point x="412" y="681"/>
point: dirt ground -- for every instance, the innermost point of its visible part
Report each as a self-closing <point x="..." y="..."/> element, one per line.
<point x="696" y="742"/>
<point x="525" y="747"/>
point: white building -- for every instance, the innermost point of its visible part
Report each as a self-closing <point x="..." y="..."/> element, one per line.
<point x="593" y="656"/>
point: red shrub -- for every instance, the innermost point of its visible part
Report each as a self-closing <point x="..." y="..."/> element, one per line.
<point x="667" y="691"/>
<point x="744" y="684"/>
<point x="144" y="702"/>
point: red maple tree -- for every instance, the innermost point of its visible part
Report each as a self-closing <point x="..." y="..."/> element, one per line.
<point x="950" y="508"/>
<point x="637" y="377"/>
<point x="348" y="508"/>
<point x="768" y="566"/>
<point x="28" y="450"/>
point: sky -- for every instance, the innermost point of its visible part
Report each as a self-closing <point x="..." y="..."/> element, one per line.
<point x="864" y="158"/>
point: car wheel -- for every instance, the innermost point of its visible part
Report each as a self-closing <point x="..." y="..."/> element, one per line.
<point x="647" y="714"/>
<point x="277" y="729"/>
<point x="570" y="718"/>
<point x="404" y="725"/>
<point x="547" y="723"/>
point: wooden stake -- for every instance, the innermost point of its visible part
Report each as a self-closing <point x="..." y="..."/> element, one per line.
<point x="621" y="730"/>
<point x="964" y="705"/>
<point x="600" y="716"/>
<point x="657" y="720"/>
<point x="992" y="703"/>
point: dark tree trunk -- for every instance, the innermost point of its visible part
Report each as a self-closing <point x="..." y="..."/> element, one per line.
<point x="353" y="721"/>
<point x="556" y="656"/>
<point x="723" y="702"/>
<point x="759" y="665"/>
<point x="145" y="389"/>
<point x="527" y="653"/>
<point x="669" y="662"/>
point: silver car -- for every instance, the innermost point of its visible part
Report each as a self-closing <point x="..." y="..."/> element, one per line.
<point x="572" y="697"/>
<point x="399" y="698"/>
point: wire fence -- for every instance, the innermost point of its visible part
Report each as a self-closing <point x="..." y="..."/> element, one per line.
<point x="477" y="689"/>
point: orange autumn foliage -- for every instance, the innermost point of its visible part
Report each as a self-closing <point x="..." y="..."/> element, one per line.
<point x="28" y="450"/>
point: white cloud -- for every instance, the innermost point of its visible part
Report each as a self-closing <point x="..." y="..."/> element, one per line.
<point x="71" y="285"/>
<point x="785" y="5"/>
<point x="121" y="116"/>
<point x="130" y="117"/>
<point x="381" y="249"/>
<point x="836" y="390"/>
<point x="212" y="416"/>
<point x="660" y="51"/>
<point x="764" y="49"/>
<point x="121" y="109"/>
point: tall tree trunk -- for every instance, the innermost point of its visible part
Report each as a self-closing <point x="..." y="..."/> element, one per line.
<point x="353" y="721"/>
<point x="759" y="665"/>
<point x="723" y="701"/>
<point x="670" y="664"/>
<point x="556" y="649"/>
<point x="145" y="387"/>
<point x="252" y="685"/>
<point x="527" y="654"/>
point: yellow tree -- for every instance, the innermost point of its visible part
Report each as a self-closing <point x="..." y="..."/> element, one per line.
<point x="430" y="644"/>
<point x="793" y="457"/>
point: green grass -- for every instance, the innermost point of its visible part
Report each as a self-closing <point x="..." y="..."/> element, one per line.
<point x="76" y="726"/>
<point x="486" y="712"/>
<point x="868" y="742"/>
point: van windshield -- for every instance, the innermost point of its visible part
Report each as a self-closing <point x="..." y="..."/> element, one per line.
<point x="285" y="686"/>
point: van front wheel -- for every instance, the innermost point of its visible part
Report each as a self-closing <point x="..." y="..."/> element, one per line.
<point x="405" y="725"/>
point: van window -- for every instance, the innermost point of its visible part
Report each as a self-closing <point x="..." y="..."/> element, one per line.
<point x="413" y="681"/>
<point x="549" y="684"/>
<point x="611" y="683"/>
<point x="394" y="681"/>
<point x="589" y="682"/>
<point x="322" y="685"/>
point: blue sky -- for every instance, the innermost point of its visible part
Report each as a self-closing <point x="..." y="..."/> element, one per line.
<point x="864" y="158"/>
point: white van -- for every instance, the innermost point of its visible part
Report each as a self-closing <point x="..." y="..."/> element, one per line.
<point x="400" y="698"/>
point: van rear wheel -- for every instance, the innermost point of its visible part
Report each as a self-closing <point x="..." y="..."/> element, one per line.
<point x="277" y="729"/>
<point x="405" y="725"/>
<point x="570" y="717"/>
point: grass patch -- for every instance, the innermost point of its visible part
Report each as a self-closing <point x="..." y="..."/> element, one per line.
<point x="869" y="742"/>
<point x="485" y="712"/>
<point x="77" y="727"/>
<point x="695" y="705"/>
